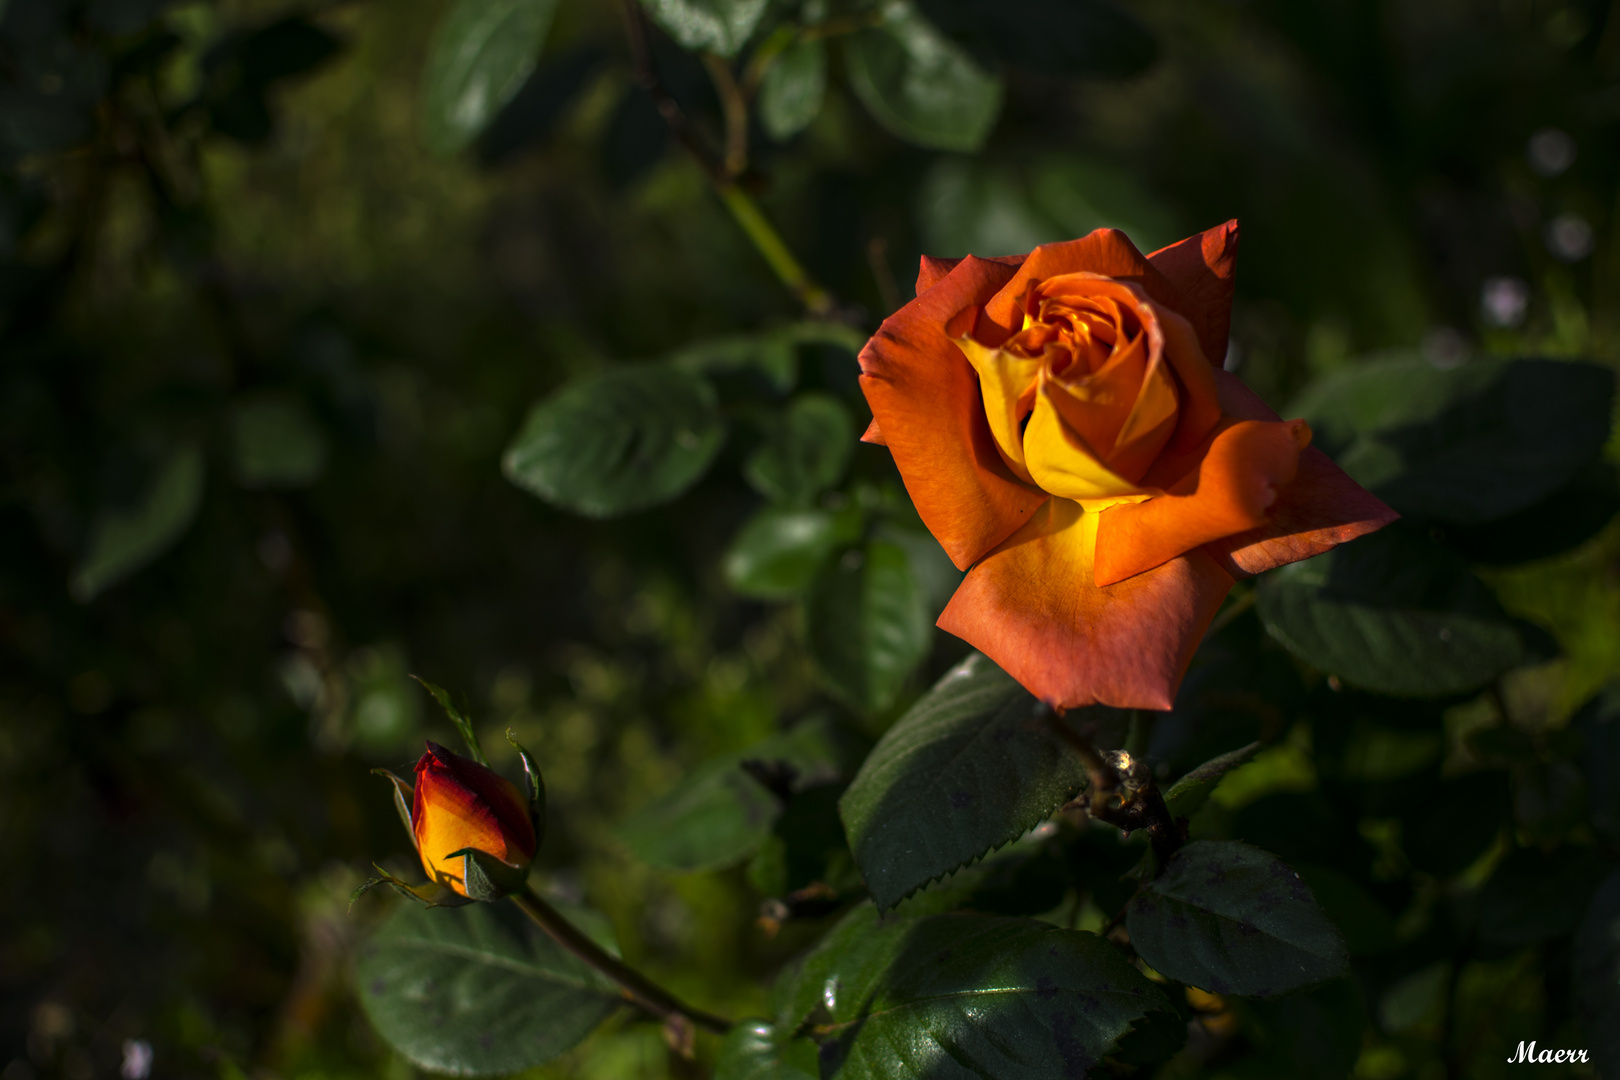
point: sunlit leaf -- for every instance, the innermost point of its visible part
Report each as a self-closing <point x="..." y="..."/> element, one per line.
<point x="919" y="84"/>
<point x="476" y="990"/>
<point x="126" y="539"/>
<point x="968" y="768"/>
<point x="756" y="1050"/>
<point x="481" y="55"/>
<point x="868" y="626"/>
<point x="792" y="90"/>
<point x="1231" y="919"/>
<point x="717" y="26"/>
<point x="776" y="554"/>
<point x="617" y="442"/>
<point x="1189" y="794"/>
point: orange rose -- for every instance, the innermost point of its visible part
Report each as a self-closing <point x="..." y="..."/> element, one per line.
<point x="1066" y="431"/>
<point x="463" y="812"/>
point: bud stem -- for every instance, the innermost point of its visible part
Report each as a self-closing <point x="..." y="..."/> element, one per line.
<point x="641" y="991"/>
<point x="1127" y="802"/>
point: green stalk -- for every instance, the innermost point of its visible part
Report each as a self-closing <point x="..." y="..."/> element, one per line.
<point x="639" y="989"/>
<point x="769" y="243"/>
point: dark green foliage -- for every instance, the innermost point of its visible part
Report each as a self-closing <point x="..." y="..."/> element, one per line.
<point x="805" y="452"/>
<point x="966" y="995"/>
<point x="867" y="624"/>
<point x="1535" y="895"/>
<point x="1230" y="919"/>
<point x="722" y="812"/>
<point x="618" y="442"/>
<point x="970" y="767"/>
<point x="1468" y="444"/>
<point x="481" y="56"/>
<point x="262" y="348"/>
<point x="476" y="990"/>
<point x="1597" y="971"/>
<point x="919" y="84"/>
<point x="1395" y="614"/>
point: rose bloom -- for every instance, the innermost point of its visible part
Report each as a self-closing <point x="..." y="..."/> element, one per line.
<point x="460" y="804"/>
<point x="1063" y="425"/>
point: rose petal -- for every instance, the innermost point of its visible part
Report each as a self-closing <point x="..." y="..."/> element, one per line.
<point x="1319" y="510"/>
<point x="925" y="396"/>
<point x="1030" y="606"/>
<point x="874" y="434"/>
<point x="1108" y="252"/>
<point x="1230" y="491"/>
<point x="1203" y="268"/>
<point x="932" y="270"/>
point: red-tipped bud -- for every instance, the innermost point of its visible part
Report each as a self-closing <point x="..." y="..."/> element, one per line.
<point x="460" y="805"/>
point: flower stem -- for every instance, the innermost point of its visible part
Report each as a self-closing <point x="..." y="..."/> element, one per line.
<point x="639" y="989"/>
<point x="770" y="244"/>
<point x="1120" y="791"/>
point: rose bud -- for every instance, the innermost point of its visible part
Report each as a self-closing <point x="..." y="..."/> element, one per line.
<point x="475" y="831"/>
<point x="1063" y="423"/>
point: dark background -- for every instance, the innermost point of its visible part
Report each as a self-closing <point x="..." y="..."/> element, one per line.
<point x="216" y="212"/>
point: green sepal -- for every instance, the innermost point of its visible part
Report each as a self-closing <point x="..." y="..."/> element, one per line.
<point x="489" y="878"/>
<point x="462" y="722"/>
<point x="404" y="795"/>
<point x="428" y="894"/>
<point x="537" y="788"/>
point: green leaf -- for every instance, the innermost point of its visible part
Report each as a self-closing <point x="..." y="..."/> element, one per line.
<point x="970" y="767"/>
<point x="1535" y="895"/>
<point x="1597" y="971"/>
<point x="458" y="719"/>
<point x="755" y="1050"/>
<point x="973" y="995"/>
<point x="1598" y="721"/>
<point x="868" y="626"/>
<point x="936" y="575"/>
<point x="805" y="451"/>
<point x="1189" y="794"/>
<point x="792" y="90"/>
<point x="1468" y="444"/>
<point x="1395" y="614"/>
<point x="717" y="26"/>
<point x="124" y="540"/>
<point x="719" y="814"/>
<point x="618" y="442"/>
<point x="919" y="84"/>
<point x="776" y="554"/>
<point x="1366" y="925"/>
<point x="276" y="443"/>
<point x="772" y="355"/>
<point x="1231" y="919"/>
<point x="480" y="56"/>
<point x="477" y="990"/>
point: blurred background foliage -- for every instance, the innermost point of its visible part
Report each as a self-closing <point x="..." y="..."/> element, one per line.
<point x="278" y="285"/>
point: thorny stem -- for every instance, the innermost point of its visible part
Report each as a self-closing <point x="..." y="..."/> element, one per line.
<point x="1121" y="792"/>
<point x="817" y="300"/>
<point x="639" y="989"/>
